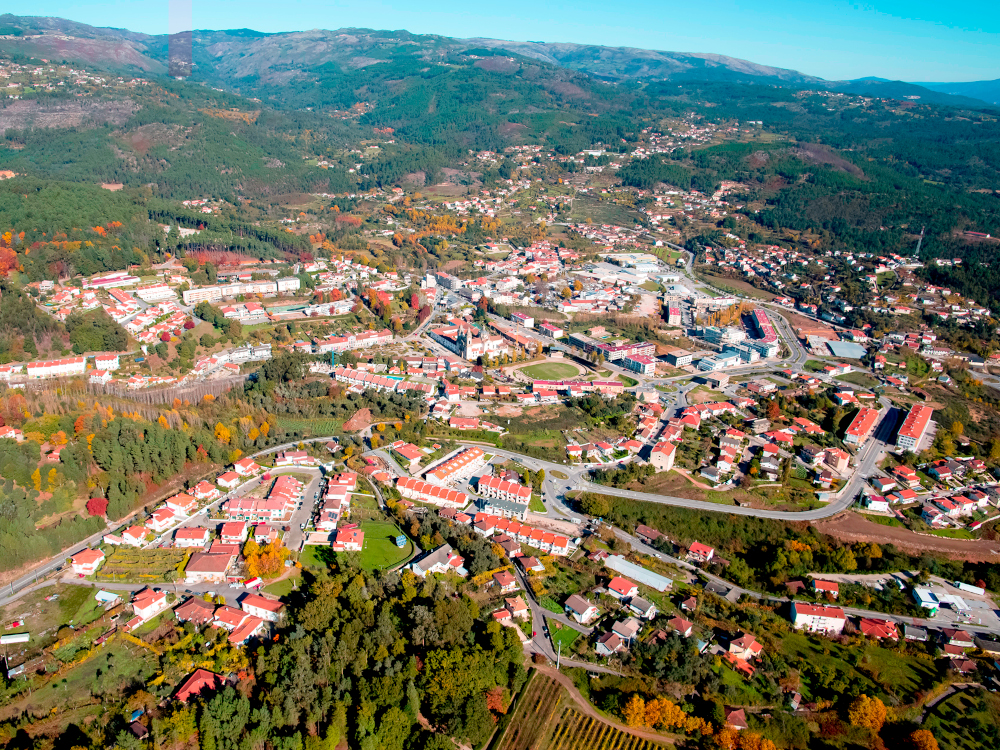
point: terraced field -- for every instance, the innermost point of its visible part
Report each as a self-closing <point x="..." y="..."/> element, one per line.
<point x="546" y="718"/>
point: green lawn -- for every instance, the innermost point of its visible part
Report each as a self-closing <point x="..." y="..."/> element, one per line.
<point x="564" y="635"/>
<point x="859" y="378"/>
<point x="380" y="550"/>
<point x="954" y="533"/>
<point x="813" y="365"/>
<point x="738" y="689"/>
<point x="827" y="668"/>
<point x="965" y="721"/>
<point x="883" y="520"/>
<point x="629" y="382"/>
<point x="284" y="586"/>
<point x="312" y="556"/>
<point x="110" y="671"/>
<point x="90" y="610"/>
<point x="536" y="505"/>
<point x="551" y="371"/>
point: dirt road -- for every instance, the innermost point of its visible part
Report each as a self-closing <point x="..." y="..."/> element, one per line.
<point x="852" y="528"/>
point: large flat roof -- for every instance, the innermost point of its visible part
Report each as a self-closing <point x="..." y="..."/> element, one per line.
<point x="846" y="349"/>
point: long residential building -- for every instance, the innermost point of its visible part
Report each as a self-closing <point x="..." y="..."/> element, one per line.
<point x="503" y="498"/>
<point x="914" y="427"/>
<point x="459" y="466"/>
<point x="861" y="426"/>
<point x="435" y="494"/>
<point x="56" y="368"/>
<point x="816" y="618"/>
<point x="223" y="291"/>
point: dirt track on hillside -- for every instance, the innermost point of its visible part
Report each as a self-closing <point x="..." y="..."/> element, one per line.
<point x="852" y="528"/>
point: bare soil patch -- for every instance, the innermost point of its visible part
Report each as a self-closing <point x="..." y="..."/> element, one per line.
<point x="511" y="128"/>
<point x="852" y="528"/>
<point x="468" y="409"/>
<point x="817" y="153"/>
<point x="509" y="410"/>
<point x="498" y="65"/>
<point x="361" y="419"/>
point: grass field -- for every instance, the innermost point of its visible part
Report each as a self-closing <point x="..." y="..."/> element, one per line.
<point x="602" y="212"/>
<point x="879" y="670"/>
<point x="884" y="520"/>
<point x="380" y="550"/>
<point x="566" y="636"/>
<point x="965" y="720"/>
<point x="859" y="378"/>
<point x="94" y="676"/>
<point x="285" y="585"/>
<point x="313" y="556"/>
<point x="536" y="505"/>
<point x="735" y="285"/>
<point x="550" y="371"/>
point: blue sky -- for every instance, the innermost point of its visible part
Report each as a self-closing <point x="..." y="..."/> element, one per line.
<point x="917" y="40"/>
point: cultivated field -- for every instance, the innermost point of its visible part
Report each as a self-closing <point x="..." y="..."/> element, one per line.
<point x="546" y="718"/>
<point x="152" y="565"/>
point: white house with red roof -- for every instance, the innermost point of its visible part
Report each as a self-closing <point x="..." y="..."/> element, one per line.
<point x="161" y="519"/>
<point x="234" y="532"/>
<point x="194" y="536"/>
<point x="182" y="503"/>
<point x="246" y="467"/>
<point x="662" y="456"/>
<point x="262" y="607"/>
<point x="622" y="588"/>
<point x="295" y="458"/>
<point x="817" y="618"/>
<point x="205" y="492"/>
<point x="831" y="588"/>
<point x="699" y="552"/>
<point x="348" y="540"/>
<point x="135" y="535"/>
<point x="87" y="562"/>
<point x="148" y="603"/>
<point x="229" y="480"/>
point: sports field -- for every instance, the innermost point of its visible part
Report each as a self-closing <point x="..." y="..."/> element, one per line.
<point x="551" y="371"/>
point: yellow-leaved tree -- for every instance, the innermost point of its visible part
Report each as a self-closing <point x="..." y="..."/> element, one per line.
<point x="867" y="712"/>
<point x="635" y="711"/>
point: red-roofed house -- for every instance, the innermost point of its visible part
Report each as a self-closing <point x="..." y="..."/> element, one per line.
<point x="246" y="467"/>
<point x="622" y="588"/>
<point x="201" y="682"/>
<point x="148" y="603"/>
<point x="259" y="606"/>
<point x="161" y="519"/>
<point x="662" y="456"/>
<point x="135" y="535"/>
<point x="699" y="552"/>
<point x="234" y="532"/>
<point x="196" y="536"/>
<point x="87" y="562"/>
<point x="817" y="618"/>
<point x="228" y="480"/>
<point x="875" y="627"/>
<point x="831" y="588"/>
<point x="349" y="540"/>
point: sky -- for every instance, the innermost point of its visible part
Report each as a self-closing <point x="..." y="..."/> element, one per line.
<point x="918" y="40"/>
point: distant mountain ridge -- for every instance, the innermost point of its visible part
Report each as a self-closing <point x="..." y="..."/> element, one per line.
<point x="238" y="55"/>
